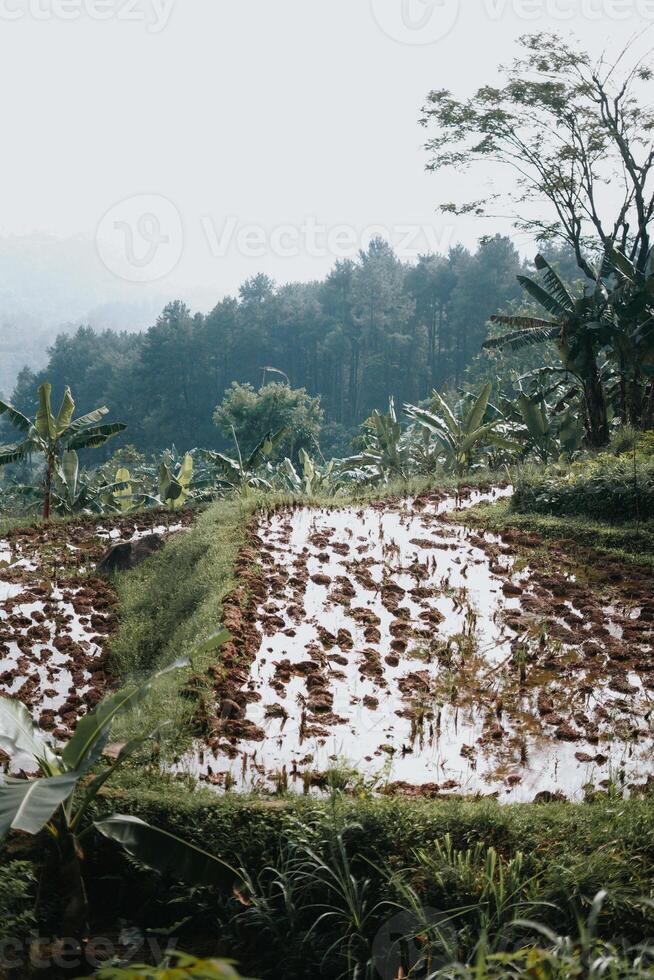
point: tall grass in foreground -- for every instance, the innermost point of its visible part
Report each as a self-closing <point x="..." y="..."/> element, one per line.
<point x="321" y="909"/>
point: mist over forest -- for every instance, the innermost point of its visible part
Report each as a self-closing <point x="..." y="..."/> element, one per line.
<point x="51" y="285"/>
<point x="373" y="328"/>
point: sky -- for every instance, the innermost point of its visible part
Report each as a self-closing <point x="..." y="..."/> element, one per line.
<point x="155" y="149"/>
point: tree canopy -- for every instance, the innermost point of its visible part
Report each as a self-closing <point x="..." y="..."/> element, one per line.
<point x="577" y="135"/>
<point x="372" y="327"/>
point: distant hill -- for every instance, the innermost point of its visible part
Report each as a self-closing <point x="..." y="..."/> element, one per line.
<point x="50" y="286"/>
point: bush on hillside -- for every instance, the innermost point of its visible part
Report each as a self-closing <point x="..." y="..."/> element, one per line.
<point x="612" y="486"/>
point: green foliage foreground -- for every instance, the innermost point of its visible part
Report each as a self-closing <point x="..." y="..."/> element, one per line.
<point x="327" y="880"/>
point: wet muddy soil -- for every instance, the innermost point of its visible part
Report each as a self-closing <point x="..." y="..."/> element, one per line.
<point x="57" y="616"/>
<point x="430" y="658"/>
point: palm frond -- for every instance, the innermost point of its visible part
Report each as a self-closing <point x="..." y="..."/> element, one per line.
<point x="12" y="454"/>
<point x="523" y="322"/>
<point x="94" y="437"/>
<point x="521" y="338"/>
<point x="554" y="283"/>
<point x="15" y="417"/>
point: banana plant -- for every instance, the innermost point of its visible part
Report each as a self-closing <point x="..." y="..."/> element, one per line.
<point x="386" y="450"/>
<point x="52" y="436"/>
<point x="60" y="799"/>
<point x="546" y="432"/>
<point x="311" y="479"/>
<point x="70" y="493"/>
<point x="459" y="430"/>
<point x="537" y="424"/>
<point x="579" y="328"/>
<point x="174" y="487"/>
<point x="630" y="334"/>
<point x="123" y="493"/>
<point x="240" y="474"/>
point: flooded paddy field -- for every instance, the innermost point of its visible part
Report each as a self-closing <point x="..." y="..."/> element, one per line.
<point x="393" y="642"/>
<point x="57" y="615"/>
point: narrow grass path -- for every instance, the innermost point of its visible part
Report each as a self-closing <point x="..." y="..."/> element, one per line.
<point x="170" y="604"/>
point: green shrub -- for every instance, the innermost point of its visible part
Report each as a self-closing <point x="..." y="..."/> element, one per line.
<point x="17" y="887"/>
<point x="607" y="486"/>
<point x="325" y="877"/>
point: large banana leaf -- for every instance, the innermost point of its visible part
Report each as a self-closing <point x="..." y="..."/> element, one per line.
<point x="183" y="481"/>
<point x="28" y="804"/>
<point x="291" y="474"/>
<point x="542" y="296"/>
<point x="95" y="436"/>
<point x="522" y="338"/>
<point x="20" y="733"/>
<point x="264" y="448"/>
<point x="473" y="438"/>
<point x="65" y="415"/>
<point x="91" y="418"/>
<point x="45" y="422"/>
<point x="554" y="283"/>
<point x="451" y="422"/>
<point x="185" y="474"/>
<point x="434" y="423"/>
<point x="523" y="322"/>
<point x="533" y="417"/>
<point x="619" y="261"/>
<point x="169" y="486"/>
<point x="16" y="418"/>
<point x="166" y="853"/>
<point x="478" y="410"/>
<point x="231" y="466"/>
<point x="92" y="788"/>
<point x="503" y="443"/>
<point x="70" y="467"/>
<point x="122" y="489"/>
<point x="92" y="732"/>
<point x="11" y="454"/>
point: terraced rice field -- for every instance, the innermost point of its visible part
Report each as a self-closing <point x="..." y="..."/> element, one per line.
<point x="57" y="616"/>
<point x="433" y="660"/>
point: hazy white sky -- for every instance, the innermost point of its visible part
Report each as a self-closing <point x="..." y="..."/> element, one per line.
<point x="188" y="120"/>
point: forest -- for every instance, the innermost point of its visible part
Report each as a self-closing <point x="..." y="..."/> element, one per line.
<point x="373" y="328"/>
